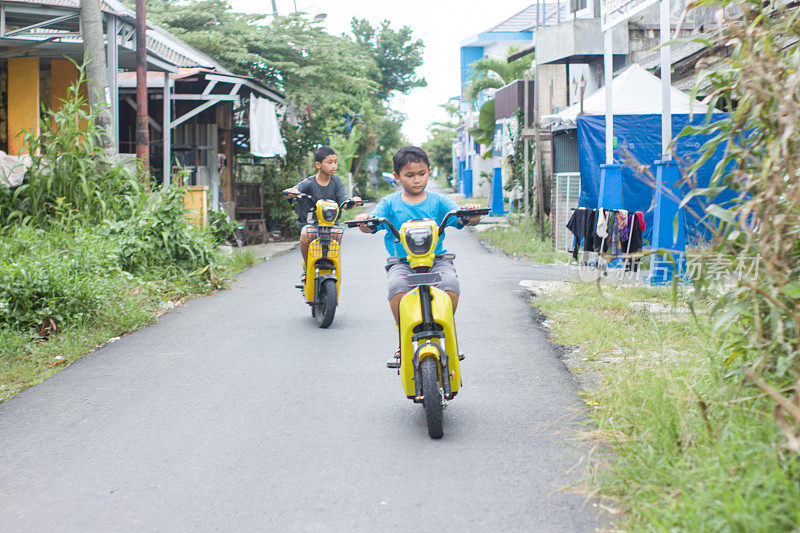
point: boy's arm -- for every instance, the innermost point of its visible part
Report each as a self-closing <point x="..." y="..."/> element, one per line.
<point x="449" y="205"/>
<point x="341" y="192"/>
<point x="297" y="189"/>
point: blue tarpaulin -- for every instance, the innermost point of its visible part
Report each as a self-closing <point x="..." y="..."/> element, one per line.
<point x="638" y="137"/>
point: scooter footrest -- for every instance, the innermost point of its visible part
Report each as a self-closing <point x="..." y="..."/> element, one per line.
<point x="393" y="364"/>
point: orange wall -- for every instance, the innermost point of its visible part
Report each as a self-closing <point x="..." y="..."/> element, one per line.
<point x="63" y="74"/>
<point x="23" y="100"/>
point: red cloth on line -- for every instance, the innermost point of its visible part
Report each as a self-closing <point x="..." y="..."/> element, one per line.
<point x="640" y="218"/>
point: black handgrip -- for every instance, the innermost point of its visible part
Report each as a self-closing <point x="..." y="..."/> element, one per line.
<point x="463" y="215"/>
<point x="472" y="212"/>
<point x="350" y="203"/>
<point x="374" y="222"/>
<point x="297" y="195"/>
<point x="371" y="222"/>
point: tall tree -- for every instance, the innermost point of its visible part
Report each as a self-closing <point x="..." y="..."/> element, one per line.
<point x="96" y="70"/>
<point x="396" y="54"/>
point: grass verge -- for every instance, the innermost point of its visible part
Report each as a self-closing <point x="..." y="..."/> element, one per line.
<point x="26" y="358"/>
<point x="681" y="445"/>
<point x="521" y="243"/>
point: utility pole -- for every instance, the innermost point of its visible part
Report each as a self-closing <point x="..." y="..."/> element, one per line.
<point x="275" y="8"/>
<point x="96" y="72"/>
<point x="539" y="185"/>
<point x="526" y="168"/>
<point x="142" y="126"/>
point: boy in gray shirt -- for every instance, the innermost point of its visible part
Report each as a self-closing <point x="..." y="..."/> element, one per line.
<point x="325" y="184"/>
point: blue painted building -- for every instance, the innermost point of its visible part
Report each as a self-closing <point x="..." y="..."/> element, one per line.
<point x="478" y="176"/>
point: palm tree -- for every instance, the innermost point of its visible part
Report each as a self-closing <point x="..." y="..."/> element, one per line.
<point x="491" y="73"/>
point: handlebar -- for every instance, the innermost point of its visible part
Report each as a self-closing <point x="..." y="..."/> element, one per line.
<point x="297" y="196"/>
<point x="351" y="203"/>
<point x="373" y="223"/>
<point x="462" y="214"/>
<point x="347" y="204"/>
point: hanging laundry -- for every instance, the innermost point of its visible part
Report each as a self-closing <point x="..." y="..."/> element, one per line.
<point x="640" y="217"/>
<point x="602" y="223"/>
<point x="265" y="133"/>
<point x="622" y="218"/>
<point x="577" y="224"/>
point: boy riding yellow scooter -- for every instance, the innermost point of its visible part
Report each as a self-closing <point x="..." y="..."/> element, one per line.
<point x="320" y="200"/>
<point x="423" y="284"/>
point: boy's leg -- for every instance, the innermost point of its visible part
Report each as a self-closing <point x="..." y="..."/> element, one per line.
<point x="398" y="287"/>
<point x="454" y="299"/>
<point x="394" y="304"/>
<point x="447" y="271"/>
<point x="307" y="234"/>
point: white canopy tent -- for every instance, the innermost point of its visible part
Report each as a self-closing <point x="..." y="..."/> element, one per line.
<point x="635" y="92"/>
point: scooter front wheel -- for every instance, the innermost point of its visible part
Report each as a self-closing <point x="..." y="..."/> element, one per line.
<point x="325" y="306"/>
<point x="432" y="394"/>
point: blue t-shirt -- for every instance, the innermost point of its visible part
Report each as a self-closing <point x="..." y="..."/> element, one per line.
<point x="394" y="209"/>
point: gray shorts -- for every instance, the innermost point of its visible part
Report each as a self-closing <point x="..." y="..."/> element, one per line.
<point x="398" y="272"/>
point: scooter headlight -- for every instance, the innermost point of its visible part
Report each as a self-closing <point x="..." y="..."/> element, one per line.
<point x="329" y="213"/>
<point x="419" y="240"/>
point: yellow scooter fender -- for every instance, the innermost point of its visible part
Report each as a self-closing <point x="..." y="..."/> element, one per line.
<point x="410" y="317"/>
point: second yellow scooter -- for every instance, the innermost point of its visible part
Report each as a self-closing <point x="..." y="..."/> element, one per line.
<point x="323" y="271"/>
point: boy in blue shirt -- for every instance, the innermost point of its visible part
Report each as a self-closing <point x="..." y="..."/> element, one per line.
<point x="411" y="170"/>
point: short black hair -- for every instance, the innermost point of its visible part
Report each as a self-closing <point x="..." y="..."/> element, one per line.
<point x="409" y="154"/>
<point x="323" y="152"/>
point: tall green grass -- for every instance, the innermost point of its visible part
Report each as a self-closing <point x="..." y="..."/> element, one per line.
<point x="682" y="445"/>
<point x="70" y="181"/>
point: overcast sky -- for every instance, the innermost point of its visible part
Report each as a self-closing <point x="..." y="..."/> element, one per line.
<point x="441" y="24"/>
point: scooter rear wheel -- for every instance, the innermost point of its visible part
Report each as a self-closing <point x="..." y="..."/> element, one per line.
<point x="325" y="306"/>
<point x="432" y="397"/>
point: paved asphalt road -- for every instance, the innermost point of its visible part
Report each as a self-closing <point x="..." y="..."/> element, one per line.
<point x="234" y="412"/>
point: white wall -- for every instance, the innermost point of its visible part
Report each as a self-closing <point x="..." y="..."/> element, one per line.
<point x="577" y="73"/>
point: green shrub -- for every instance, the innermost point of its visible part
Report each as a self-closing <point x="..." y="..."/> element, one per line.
<point x="54" y="275"/>
<point x="221" y="226"/>
<point x="158" y="236"/>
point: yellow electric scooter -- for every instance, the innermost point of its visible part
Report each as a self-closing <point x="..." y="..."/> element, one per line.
<point x="323" y="272"/>
<point x="429" y="356"/>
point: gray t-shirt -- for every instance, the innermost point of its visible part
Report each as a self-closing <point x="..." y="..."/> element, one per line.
<point x="334" y="190"/>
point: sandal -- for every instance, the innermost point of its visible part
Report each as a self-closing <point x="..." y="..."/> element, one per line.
<point x="394" y="361"/>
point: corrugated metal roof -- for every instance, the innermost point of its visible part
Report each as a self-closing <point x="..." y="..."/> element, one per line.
<point x="73" y="4"/>
<point x="549" y="15"/>
<point x="166" y="45"/>
<point x="160" y="42"/>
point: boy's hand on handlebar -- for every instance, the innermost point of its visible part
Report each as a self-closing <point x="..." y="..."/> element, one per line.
<point x="291" y="193"/>
<point x="473" y="220"/>
<point x="364" y="226"/>
<point x="352" y="202"/>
